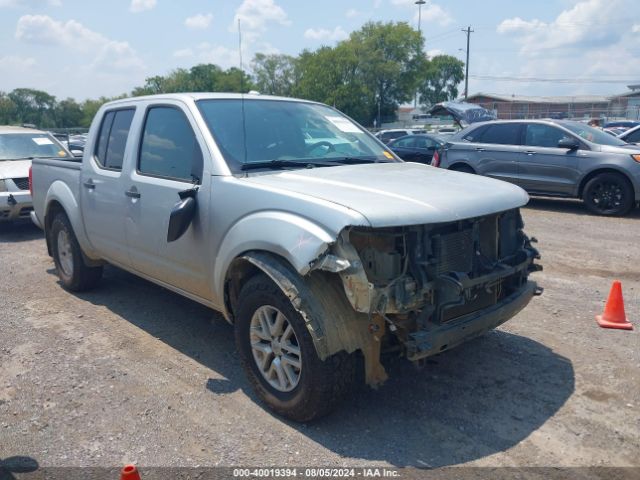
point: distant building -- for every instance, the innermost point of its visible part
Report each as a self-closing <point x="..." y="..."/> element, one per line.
<point x="626" y="105"/>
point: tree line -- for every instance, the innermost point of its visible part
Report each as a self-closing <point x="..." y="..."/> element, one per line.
<point x="367" y="76"/>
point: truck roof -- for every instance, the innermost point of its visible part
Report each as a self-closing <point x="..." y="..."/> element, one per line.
<point x="206" y="96"/>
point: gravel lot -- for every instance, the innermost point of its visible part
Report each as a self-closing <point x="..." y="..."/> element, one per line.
<point x="133" y="373"/>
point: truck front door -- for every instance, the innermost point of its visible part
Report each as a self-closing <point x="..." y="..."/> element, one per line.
<point x="169" y="161"/>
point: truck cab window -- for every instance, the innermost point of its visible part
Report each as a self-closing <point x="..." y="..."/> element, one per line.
<point x="169" y="146"/>
<point x="112" y="140"/>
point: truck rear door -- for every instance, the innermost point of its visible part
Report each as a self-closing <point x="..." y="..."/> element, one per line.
<point x="102" y="186"/>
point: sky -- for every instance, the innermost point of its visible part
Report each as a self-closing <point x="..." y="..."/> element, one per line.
<point x="86" y="49"/>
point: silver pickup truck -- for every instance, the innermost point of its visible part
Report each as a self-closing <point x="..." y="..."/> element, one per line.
<point x="321" y="246"/>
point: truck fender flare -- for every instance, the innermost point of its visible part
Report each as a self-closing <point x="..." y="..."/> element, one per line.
<point x="299" y="241"/>
<point x="329" y="317"/>
<point x="61" y="193"/>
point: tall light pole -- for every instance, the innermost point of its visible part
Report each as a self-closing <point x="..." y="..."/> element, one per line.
<point x="419" y="3"/>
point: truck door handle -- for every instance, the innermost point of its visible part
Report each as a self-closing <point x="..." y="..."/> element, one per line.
<point x="132" y="193"/>
<point x="89" y="184"/>
<point x="479" y="149"/>
<point x="530" y="152"/>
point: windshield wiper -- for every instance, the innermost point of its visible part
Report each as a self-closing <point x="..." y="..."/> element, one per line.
<point x="284" y="164"/>
<point x="310" y="162"/>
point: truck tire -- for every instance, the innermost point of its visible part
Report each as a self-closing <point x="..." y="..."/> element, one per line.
<point x="280" y="359"/>
<point x="74" y="274"/>
<point x="608" y="194"/>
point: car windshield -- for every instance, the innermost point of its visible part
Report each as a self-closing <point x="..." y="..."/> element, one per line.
<point x="593" y="135"/>
<point x="18" y="146"/>
<point x="270" y="133"/>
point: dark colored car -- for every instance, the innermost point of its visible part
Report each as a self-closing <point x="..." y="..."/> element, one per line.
<point x="631" y="136"/>
<point x="416" y="148"/>
<point x="550" y="157"/>
<point x="622" y="123"/>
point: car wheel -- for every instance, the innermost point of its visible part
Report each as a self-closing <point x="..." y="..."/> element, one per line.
<point x="608" y="194"/>
<point x="74" y="274"/>
<point x="280" y="359"/>
<point x="462" y="168"/>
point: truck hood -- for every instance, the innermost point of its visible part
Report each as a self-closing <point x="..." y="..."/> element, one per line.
<point x="14" y="168"/>
<point x="397" y="194"/>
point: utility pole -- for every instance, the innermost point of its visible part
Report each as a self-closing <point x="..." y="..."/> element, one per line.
<point x="468" y="31"/>
<point x="419" y="3"/>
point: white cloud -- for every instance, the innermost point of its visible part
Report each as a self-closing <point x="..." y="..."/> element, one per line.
<point x="587" y="24"/>
<point x="335" y="35"/>
<point x="636" y="28"/>
<point x="183" y="53"/>
<point x="434" y="52"/>
<point x="352" y="13"/>
<point x="142" y="5"/>
<point x="199" y="21"/>
<point x="13" y="62"/>
<point x="434" y="13"/>
<point x="588" y="40"/>
<point x="30" y="3"/>
<point x="431" y="12"/>
<point x="217" y="54"/>
<point x="256" y="15"/>
<point x="42" y="29"/>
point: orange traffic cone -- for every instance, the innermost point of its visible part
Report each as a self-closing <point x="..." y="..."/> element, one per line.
<point x="129" y="472"/>
<point x="613" y="315"/>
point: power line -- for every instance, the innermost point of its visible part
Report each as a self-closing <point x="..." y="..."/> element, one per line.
<point x="552" y="80"/>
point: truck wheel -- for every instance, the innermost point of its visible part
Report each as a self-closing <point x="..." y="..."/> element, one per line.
<point x="67" y="255"/>
<point x="608" y="194"/>
<point x="279" y="357"/>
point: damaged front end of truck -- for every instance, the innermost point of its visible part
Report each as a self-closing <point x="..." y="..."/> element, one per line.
<point x="424" y="289"/>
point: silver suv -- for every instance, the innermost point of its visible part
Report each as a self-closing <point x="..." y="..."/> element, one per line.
<point x="550" y="157"/>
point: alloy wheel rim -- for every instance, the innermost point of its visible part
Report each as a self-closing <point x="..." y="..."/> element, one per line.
<point x="65" y="255"/>
<point x="275" y="348"/>
<point x="607" y="196"/>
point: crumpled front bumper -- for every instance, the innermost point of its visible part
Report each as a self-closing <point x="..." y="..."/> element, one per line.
<point x="441" y="337"/>
<point x="15" y="205"/>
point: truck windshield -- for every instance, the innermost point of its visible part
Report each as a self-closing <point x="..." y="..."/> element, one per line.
<point x="268" y="133"/>
<point x="20" y="146"/>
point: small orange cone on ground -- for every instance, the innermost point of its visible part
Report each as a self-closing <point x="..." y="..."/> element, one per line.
<point x="613" y="315"/>
<point x="129" y="472"/>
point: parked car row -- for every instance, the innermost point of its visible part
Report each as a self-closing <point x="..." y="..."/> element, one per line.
<point x="18" y="146"/>
<point x="551" y="157"/>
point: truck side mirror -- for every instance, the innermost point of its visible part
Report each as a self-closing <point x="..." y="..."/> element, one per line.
<point x="181" y="216"/>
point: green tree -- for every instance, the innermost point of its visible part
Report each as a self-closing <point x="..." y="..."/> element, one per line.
<point x="68" y="113"/>
<point x="274" y="74"/>
<point x="7" y="110"/>
<point x="89" y="110"/>
<point x="372" y="72"/>
<point x="440" y="80"/>
<point x="34" y="106"/>
<point x="390" y="61"/>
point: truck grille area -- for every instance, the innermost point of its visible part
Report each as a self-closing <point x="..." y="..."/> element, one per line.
<point x="445" y="271"/>
<point x="454" y="252"/>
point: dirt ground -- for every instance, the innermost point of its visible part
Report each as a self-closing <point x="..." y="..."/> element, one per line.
<point x="133" y="373"/>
